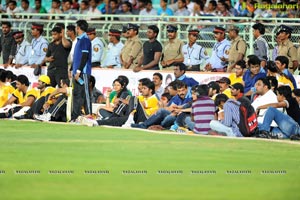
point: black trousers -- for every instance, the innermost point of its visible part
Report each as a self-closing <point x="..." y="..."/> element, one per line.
<point x="81" y="97"/>
<point x="55" y="77"/>
<point x="36" y="107"/>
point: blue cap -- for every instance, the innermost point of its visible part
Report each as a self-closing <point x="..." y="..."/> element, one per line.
<point x="171" y="28"/>
<point x="284" y="28"/>
<point x="132" y="26"/>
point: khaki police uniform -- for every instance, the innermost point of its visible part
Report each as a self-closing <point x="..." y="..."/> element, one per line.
<point x="132" y="48"/>
<point x="172" y="50"/>
<point x="238" y="45"/>
<point x="288" y="49"/>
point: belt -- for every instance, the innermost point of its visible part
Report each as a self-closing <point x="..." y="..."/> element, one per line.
<point x="96" y="64"/>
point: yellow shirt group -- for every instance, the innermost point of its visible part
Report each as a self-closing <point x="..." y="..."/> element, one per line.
<point x="151" y="104"/>
<point x="23" y="97"/>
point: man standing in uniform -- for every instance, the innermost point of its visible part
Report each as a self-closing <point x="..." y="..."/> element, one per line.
<point x="287" y="48"/>
<point x="97" y="47"/>
<point x="23" y="50"/>
<point x="237" y="49"/>
<point x="7" y="45"/>
<point x="39" y="46"/>
<point x="218" y="60"/>
<point x="82" y="67"/>
<point x="151" y="51"/>
<point x="57" y="55"/>
<point x="112" y="57"/>
<point x="132" y="50"/>
<point x="261" y="47"/>
<point x="172" y="51"/>
<point x="193" y="53"/>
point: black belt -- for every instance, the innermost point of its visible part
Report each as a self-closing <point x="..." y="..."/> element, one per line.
<point x="193" y="67"/>
<point x="96" y="64"/>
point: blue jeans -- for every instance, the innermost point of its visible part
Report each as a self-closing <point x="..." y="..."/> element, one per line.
<point x="189" y="123"/>
<point x="286" y="125"/>
<point x="219" y="127"/>
<point x="157" y="118"/>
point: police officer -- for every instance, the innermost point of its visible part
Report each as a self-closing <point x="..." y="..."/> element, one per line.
<point x="218" y="60"/>
<point x="7" y="45"/>
<point x="260" y="46"/>
<point x="193" y="53"/>
<point x="287" y="48"/>
<point x="132" y="50"/>
<point x="39" y="46"/>
<point x="237" y="49"/>
<point x="23" y="50"/>
<point x="97" y="47"/>
<point x="112" y="57"/>
<point x="172" y="51"/>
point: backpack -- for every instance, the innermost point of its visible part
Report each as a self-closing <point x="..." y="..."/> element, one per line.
<point x="248" y="124"/>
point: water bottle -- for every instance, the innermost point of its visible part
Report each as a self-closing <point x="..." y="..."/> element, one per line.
<point x="80" y="81"/>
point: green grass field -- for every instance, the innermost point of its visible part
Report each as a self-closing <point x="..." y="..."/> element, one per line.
<point x="239" y="168"/>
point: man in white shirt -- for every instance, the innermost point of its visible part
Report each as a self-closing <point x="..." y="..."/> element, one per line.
<point x="265" y="96"/>
<point x="23" y="50"/>
<point x="194" y="54"/>
<point x="148" y="11"/>
<point x="112" y="57"/>
<point x="97" y="47"/>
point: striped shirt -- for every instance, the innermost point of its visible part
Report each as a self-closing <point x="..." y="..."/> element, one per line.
<point x="232" y="116"/>
<point x="203" y="110"/>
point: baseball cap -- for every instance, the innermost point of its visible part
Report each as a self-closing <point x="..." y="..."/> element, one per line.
<point x="285" y="28"/>
<point x="132" y="26"/>
<point x="114" y="32"/>
<point x="219" y="30"/>
<point x="171" y="28"/>
<point x="91" y="31"/>
<point x="45" y="79"/>
<point x="18" y="34"/>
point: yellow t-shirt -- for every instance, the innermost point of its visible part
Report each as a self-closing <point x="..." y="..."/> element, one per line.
<point x="233" y="79"/>
<point x="151" y="104"/>
<point x="4" y="94"/>
<point x="282" y="80"/>
<point x="23" y="97"/>
<point x="48" y="90"/>
<point x="227" y="92"/>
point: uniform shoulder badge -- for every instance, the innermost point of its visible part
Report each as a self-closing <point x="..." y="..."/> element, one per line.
<point x="45" y="49"/>
<point x="227" y="52"/>
<point x="96" y="49"/>
<point x="205" y="53"/>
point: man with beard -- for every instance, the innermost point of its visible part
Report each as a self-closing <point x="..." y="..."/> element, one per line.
<point x="57" y="55"/>
<point x="151" y="51"/>
<point x="7" y="44"/>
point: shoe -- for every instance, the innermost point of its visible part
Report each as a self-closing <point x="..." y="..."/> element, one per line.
<point x="21" y="117"/>
<point x="174" y="128"/>
<point x="44" y="117"/>
<point x="86" y="121"/>
<point x="295" y="137"/>
<point x="182" y="130"/>
<point x="138" y="126"/>
<point x="129" y="121"/>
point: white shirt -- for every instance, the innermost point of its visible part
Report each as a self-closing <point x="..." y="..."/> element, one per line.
<point x="113" y="55"/>
<point x="219" y="50"/>
<point x="145" y="13"/>
<point x="269" y="97"/>
<point x="97" y="49"/>
<point x="70" y="58"/>
<point x="194" y="55"/>
<point x="23" y="53"/>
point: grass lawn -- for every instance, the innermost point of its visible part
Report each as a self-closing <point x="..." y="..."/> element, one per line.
<point x="133" y="164"/>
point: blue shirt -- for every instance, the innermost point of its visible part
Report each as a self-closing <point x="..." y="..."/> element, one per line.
<point x="39" y="47"/>
<point x="179" y="101"/>
<point x="83" y="45"/>
<point x="167" y="12"/>
<point x="190" y="82"/>
<point x="219" y="51"/>
<point x="250" y="81"/>
<point x="291" y="77"/>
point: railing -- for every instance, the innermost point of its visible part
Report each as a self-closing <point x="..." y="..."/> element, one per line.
<point x="102" y="23"/>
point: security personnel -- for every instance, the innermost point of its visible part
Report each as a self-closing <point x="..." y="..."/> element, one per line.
<point x="237" y="49"/>
<point x="260" y="46"/>
<point x="287" y="48"/>
<point x="97" y="47"/>
<point x="112" y="57"/>
<point x="218" y="60"/>
<point x="39" y="46"/>
<point x="172" y="51"/>
<point x="193" y="53"/>
<point x="23" y="50"/>
<point x="132" y="50"/>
